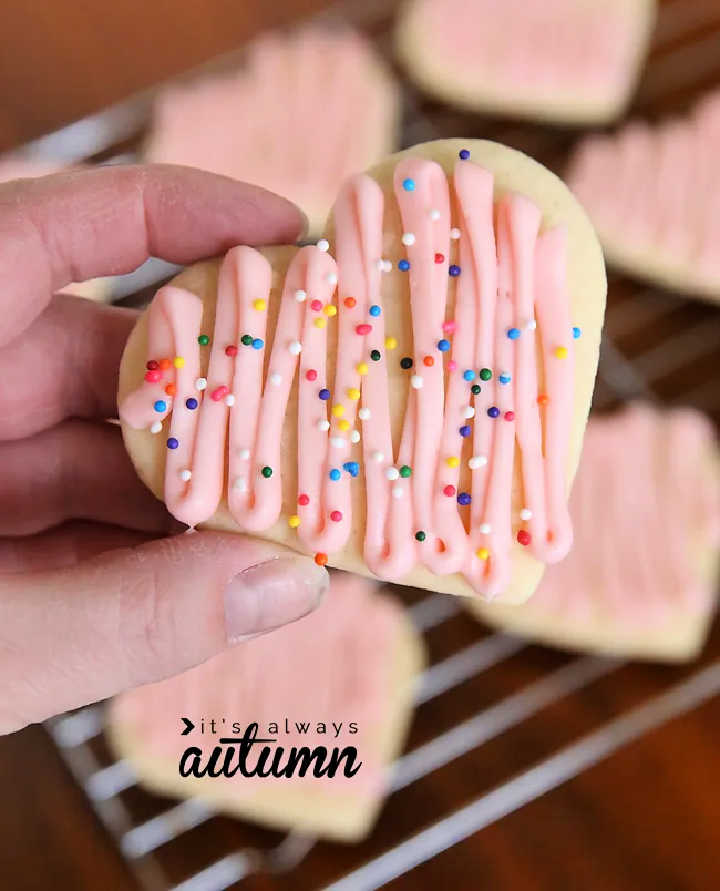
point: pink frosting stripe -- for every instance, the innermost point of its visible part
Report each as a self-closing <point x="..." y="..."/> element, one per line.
<point x="507" y="274"/>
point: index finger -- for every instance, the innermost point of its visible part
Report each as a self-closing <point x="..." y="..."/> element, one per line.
<point x="107" y="221"/>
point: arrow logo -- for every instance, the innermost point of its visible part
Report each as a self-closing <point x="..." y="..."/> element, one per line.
<point x="189" y="726"/>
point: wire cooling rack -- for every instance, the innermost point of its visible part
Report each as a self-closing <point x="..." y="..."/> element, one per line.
<point x="483" y="693"/>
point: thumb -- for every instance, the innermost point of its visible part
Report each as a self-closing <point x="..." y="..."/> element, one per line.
<point x="136" y="615"/>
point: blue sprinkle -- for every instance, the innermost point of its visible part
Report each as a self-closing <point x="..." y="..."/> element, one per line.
<point x="258" y="343"/>
<point x="409" y="185"/>
<point x="324" y="394"/>
<point x="443" y="345"/>
<point x="352" y="467"/>
<point x="191" y="403"/>
<point x="374" y="310"/>
<point x="514" y="333"/>
<point x="172" y="443"/>
<point x="465" y="430"/>
<point x="335" y="474"/>
<point x="493" y="412"/>
<point x="469" y="375"/>
<point x="454" y="270"/>
<point x="464" y="154"/>
<point x="464" y="498"/>
<point x="504" y="378"/>
<point x="404" y="265"/>
<point x="576" y="333"/>
<point x="160" y="405"/>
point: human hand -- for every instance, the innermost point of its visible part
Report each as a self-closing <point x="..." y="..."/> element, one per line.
<point x="91" y="599"/>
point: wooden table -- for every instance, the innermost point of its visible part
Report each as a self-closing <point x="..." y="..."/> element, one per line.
<point x="645" y="816"/>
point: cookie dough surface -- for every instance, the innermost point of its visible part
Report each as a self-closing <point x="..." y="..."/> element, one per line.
<point x="512" y="171"/>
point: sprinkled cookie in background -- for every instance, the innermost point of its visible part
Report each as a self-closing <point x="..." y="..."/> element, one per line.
<point x="384" y="398"/>
<point x="569" y="61"/>
<point x="641" y="579"/>
<point x="653" y="193"/>
<point x="306" y="111"/>
<point x="354" y="660"/>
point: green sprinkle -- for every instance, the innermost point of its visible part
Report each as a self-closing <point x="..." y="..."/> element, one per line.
<point x="475" y="389"/>
<point x="203" y="340"/>
<point x="420" y="536"/>
<point x="405" y="471"/>
<point x="246" y="340"/>
<point x="266" y="472"/>
<point x="375" y="355"/>
<point x="485" y="374"/>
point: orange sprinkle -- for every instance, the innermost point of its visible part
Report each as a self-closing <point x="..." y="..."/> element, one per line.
<point x="165" y="364"/>
<point x="429" y="361"/>
<point x="171" y="389"/>
<point x="321" y="559"/>
<point x="350" y="302"/>
<point x="542" y="399"/>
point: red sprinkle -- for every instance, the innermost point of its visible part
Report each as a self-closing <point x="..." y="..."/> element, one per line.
<point x="171" y="389"/>
<point x="449" y="327"/>
<point x="311" y="374"/>
<point x="449" y="491"/>
<point x="363" y="329"/>
<point x="350" y="302"/>
<point x="335" y="516"/>
<point x="542" y="399"/>
<point x="524" y="537"/>
<point x="316" y="305"/>
<point x="303" y="500"/>
<point x="321" y="559"/>
<point x="231" y="350"/>
<point x="152" y="365"/>
<point x="152" y="377"/>
<point x="439" y="258"/>
<point x="219" y="393"/>
<point x="429" y="361"/>
<point x="509" y="415"/>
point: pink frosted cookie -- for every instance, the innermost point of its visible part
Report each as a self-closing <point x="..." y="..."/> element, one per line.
<point x="654" y="195"/>
<point x="306" y="111"/>
<point x="642" y="577"/>
<point x="389" y="398"/>
<point x="350" y="666"/>
<point x="573" y="61"/>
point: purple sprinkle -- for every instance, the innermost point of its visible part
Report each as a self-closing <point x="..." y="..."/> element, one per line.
<point x="493" y="412"/>
<point x="172" y="443"/>
<point x="464" y="498"/>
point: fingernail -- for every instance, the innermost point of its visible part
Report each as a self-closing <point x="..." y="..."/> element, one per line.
<point x="273" y="593"/>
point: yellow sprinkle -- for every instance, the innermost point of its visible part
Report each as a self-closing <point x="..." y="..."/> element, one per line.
<point x="561" y="353"/>
<point x="260" y="305"/>
<point x="344" y="425"/>
<point x="362" y="369"/>
<point x="330" y="310"/>
<point x="320" y="322"/>
<point x="482" y="553"/>
<point x="390" y="343"/>
<point x="353" y="393"/>
<point x="294" y="521"/>
<point x="178" y="361"/>
<point x="338" y="410"/>
<point x="452" y="462"/>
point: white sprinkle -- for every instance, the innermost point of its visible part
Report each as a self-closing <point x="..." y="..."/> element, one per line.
<point x="525" y="514"/>
<point x="300" y="295"/>
<point x="380" y="264"/>
<point x="323" y="245"/>
<point x="201" y="383"/>
<point x="185" y="475"/>
<point x="531" y="325"/>
<point x="229" y="400"/>
<point x="240" y="484"/>
<point x="408" y="238"/>
<point x="477" y="461"/>
<point x="392" y="473"/>
<point x="244" y="454"/>
<point x="397" y="492"/>
<point x="295" y="347"/>
<point x="355" y="436"/>
<point x="275" y="379"/>
<point x="331" y="278"/>
<point x="364" y="414"/>
<point x="377" y="456"/>
<point x="434" y="215"/>
<point x="323" y="425"/>
<point x="156" y="427"/>
<point x="485" y="528"/>
<point x="455" y="233"/>
<point x="469" y="412"/>
<point x="416" y="382"/>
<point x="337" y="442"/>
<point x="387" y="265"/>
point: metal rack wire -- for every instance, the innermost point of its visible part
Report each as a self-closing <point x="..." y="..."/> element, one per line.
<point x="656" y="346"/>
